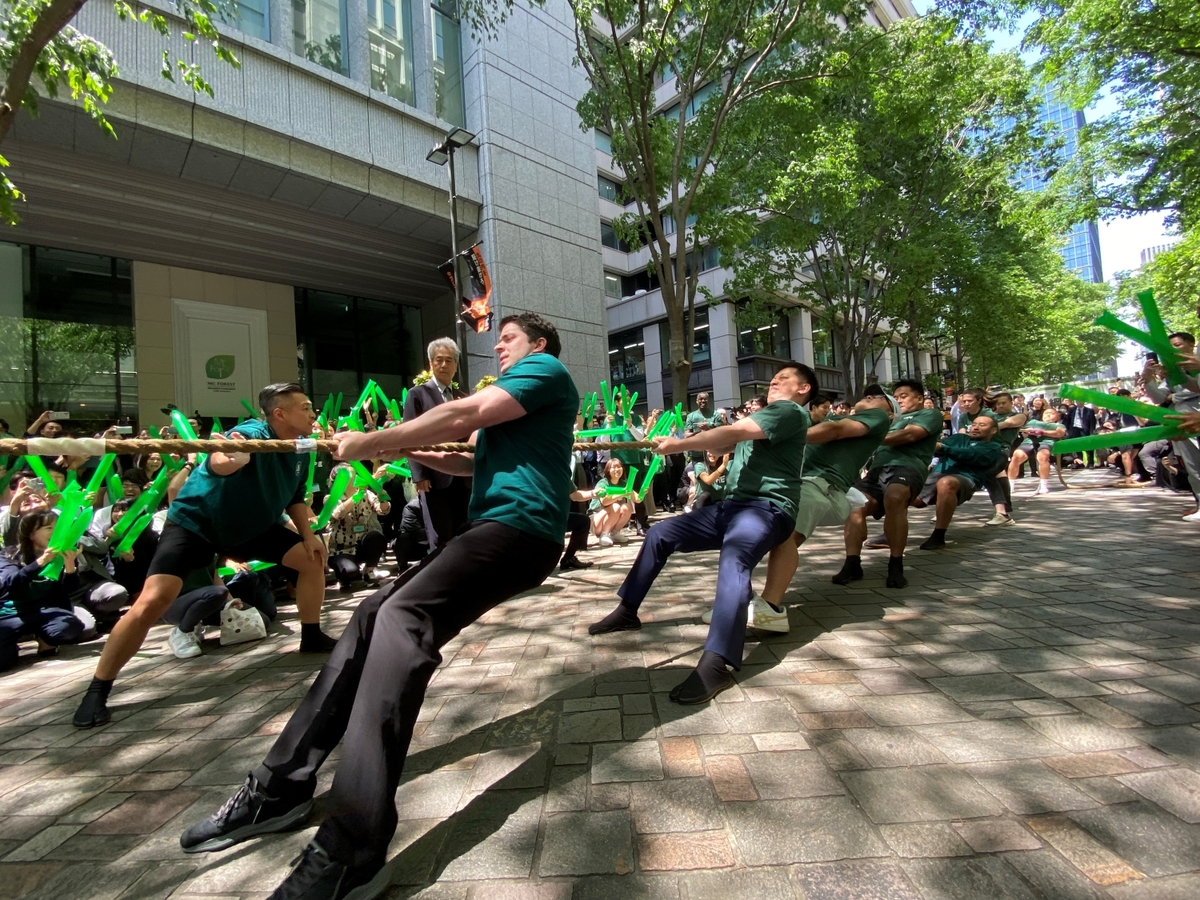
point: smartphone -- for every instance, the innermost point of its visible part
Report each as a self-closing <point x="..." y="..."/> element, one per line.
<point x="35" y="484"/>
<point x="1152" y="357"/>
<point x="62" y="414"/>
<point x="123" y="429"/>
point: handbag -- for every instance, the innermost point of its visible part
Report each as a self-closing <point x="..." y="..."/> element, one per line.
<point x="241" y="625"/>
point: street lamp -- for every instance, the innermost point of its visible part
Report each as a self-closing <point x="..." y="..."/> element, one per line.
<point x="440" y="155"/>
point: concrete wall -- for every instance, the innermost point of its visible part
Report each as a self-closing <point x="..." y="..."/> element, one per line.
<point x="154" y="287"/>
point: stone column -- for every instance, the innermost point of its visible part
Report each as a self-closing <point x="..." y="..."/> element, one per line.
<point x="654" y="362"/>
<point x="722" y="333"/>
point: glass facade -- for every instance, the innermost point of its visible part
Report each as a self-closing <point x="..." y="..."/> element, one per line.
<point x="448" y="98"/>
<point x="824" y="353"/>
<point x="252" y="17"/>
<point x="343" y="341"/>
<point x="66" y="338"/>
<point x="701" y="348"/>
<point x="626" y="356"/>
<point x="389" y="30"/>
<point x="610" y="190"/>
<point x="766" y="339"/>
<point x="319" y="33"/>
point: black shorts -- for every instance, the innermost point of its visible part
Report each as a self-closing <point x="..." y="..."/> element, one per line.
<point x="876" y="480"/>
<point x="966" y="488"/>
<point x="181" y="552"/>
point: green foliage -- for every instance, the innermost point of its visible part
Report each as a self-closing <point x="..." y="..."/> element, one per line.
<point x="721" y="58"/>
<point x="36" y="53"/>
<point x="1174" y="276"/>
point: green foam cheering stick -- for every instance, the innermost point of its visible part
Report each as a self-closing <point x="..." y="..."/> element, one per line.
<point x="115" y="491"/>
<point x="364" y="478"/>
<point x="132" y="534"/>
<point x="1112" y="401"/>
<point x="256" y="565"/>
<point x="39" y="469"/>
<point x="601" y="432"/>
<point x="336" y="491"/>
<point x="250" y="410"/>
<point x="1158" y="333"/>
<point x="400" y="469"/>
<point x="1118" y="438"/>
<point x="146" y="502"/>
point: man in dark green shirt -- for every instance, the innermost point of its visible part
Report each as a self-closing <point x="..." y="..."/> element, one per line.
<point x="370" y="692"/>
<point x="965" y="461"/>
<point x="762" y="495"/>
<point x="231" y="505"/>
<point x="893" y="481"/>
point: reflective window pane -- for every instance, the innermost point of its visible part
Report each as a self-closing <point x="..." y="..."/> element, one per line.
<point x="389" y="31"/>
<point x="253" y="18"/>
<point x="447" y="65"/>
<point x="319" y="33"/>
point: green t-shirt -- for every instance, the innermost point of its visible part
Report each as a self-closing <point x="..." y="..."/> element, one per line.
<point x="1008" y="435"/>
<point x="717" y="488"/>
<point x="232" y="509"/>
<point x="839" y="462"/>
<point x="965" y="419"/>
<point x="770" y="469"/>
<point x="522" y="468"/>
<point x="917" y="454"/>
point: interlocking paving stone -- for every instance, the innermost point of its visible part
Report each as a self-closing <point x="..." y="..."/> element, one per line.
<point x="967" y="879"/>
<point x="677" y="852"/>
<point x="1082" y="734"/>
<point x="983" y="741"/>
<point x="587" y="843"/>
<point x="921" y="794"/>
<point x="1154" y="709"/>
<point x="1028" y="786"/>
<point x="996" y="836"/>
<point x="887" y="747"/>
<point x="924" y="839"/>
<point x="761" y="884"/>
<point x="1150" y="839"/>
<point x="856" y="881"/>
<point x="775" y="832"/>
<point x="684" y="804"/>
<point x="1099" y="863"/>
<point x="780" y="776"/>
<point x="913" y="709"/>
<point x="998" y="686"/>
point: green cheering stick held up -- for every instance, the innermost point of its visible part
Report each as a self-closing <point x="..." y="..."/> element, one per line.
<point x="336" y="491"/>
<point x="1117" y="438"/>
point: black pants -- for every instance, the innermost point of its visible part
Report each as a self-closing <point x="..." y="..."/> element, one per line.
<point x="373" y="686"/>
<point x="368" y="553"/>
<point x="444" y="511"/>
<point x="581" y="527"/>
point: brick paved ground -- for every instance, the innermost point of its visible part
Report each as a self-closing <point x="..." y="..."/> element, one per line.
<point x="1020" y="722"/>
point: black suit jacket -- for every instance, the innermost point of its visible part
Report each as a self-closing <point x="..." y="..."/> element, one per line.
<point x="1089" y="423"/>
<point x="420" y="400"/>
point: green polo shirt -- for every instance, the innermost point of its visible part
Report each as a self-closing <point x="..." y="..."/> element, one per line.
<point x="770" y="469"/>
<point x="917" y="454"/>
<point x="229" y="510"/>
<point x="840" y="462"/>
<point x="522" y="468"/>
<point x="717" y="488"/>
<point x="965" y="419"/>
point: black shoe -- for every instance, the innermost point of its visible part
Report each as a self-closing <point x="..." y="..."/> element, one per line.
<point x="694" y="690"/>
<point x="318" y="876"/>
<point x="895" y="575"/>
<point x="249" y="812"/>
<point x="935" y="542"/>
<point x="849" y="572"/>
<point x="620" y="619"/>
<point x="93" y="711"/>
<point x="321" y="643"/>
<point x="574" y="562"/>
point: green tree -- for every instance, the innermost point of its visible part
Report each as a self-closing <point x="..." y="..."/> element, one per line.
<point x="1174" y="276"/>
<point x="722" y="59"/>
<point x="39" y="47"/>
<point x="865" y="196"/>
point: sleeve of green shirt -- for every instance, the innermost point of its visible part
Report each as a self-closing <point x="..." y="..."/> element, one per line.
<point x="929" y="419"/>
<point x="781" y="420"/>
<point x="531" y="382"/>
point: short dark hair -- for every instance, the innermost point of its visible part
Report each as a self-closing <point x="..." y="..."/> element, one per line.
<point x="911" y="383"/>
<point x="1124" y="392"/>
<point x="819" y="399"/>
<point x="536" y="327"/>
<point x="31" y="522"/>
<point x="1186" y="335"/>
<point x="1003" y="394"/>
<point x="806" y="374"/>
<point x="974" y="392"/>
<point x="268" y="397"/>
<point x="135" y="476"/>
<point x="122" y="505"/>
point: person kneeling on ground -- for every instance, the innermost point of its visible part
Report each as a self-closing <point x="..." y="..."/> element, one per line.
<point x="759" y="513"/>
<point x="356" y="541"/>
<point x="965" y="462"/>
<point x="31" y="605"/>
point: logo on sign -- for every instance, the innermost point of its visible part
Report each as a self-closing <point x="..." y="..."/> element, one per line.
<point x="219" y="367"/>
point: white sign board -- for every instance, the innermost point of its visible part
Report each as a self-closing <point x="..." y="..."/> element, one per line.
<point x="221" y="356"/>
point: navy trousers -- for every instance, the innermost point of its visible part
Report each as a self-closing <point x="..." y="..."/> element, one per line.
<point x="744" y="531"/>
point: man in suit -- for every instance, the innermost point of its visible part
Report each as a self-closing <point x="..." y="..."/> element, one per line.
<point x="1080" y="421"/>
<point x="443" y="497"/>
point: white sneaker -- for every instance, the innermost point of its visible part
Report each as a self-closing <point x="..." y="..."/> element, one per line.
<point x="380" y="574"/>
<point x="707" y="617"/>
<point x="606" y="540"/>
<point x="999" y="519"/>
<point x="1194" y="517"/>
<point x="879" y="542"/>
<point x="184" y="644"/>
<point x="764" y="617"/>
<point x="620" y="537"/>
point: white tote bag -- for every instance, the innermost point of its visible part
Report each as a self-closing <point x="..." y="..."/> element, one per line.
<point x="241" y="625"/>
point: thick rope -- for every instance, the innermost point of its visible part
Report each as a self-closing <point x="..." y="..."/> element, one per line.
<point x="98" y="447"/>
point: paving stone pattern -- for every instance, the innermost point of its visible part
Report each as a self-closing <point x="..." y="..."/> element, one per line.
<point x="1023" y="721"/>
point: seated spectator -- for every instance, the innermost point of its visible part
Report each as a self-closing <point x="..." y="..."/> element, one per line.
<point x="410" y="544"/>
<point x="130" y="568"/>
<point x="965" y="461"/>
<point x="356" y="541"/>
<point x="148" y="464"/>
<point x="33" y="606"/>
<point x="710" y="478"/>
<point x="610" y="513"/>
<point x="203" y="597"/>
<point x="29" y="496"/>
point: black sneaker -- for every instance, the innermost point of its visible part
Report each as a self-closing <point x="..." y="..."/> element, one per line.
<point x="249" y="812"/>
<point x="317" y="876"/>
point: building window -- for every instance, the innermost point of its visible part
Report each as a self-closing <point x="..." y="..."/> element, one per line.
<point x="66" y="338"/>
<point x="389" y="30"/>
<point x="608" y="237"/>
<point x="252" y="17"/>
<point x="611" y="190"/>
<point x="449" y="103"/>
<point x="603" y="142"/>
<point x="344" y="341"/>
<point x="319" y="33"/>
<point x="902" y="362"/>
<point x="764" y="338"/>
<point x="626" y="356"/>
<point x="701" y="349"/>
<point x="612" y="286"/>
<point x="824" y="353"/>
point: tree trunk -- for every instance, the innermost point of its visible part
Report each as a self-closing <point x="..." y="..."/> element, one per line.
<point x="52" y="19"/>
<point x="680" y="364"/>
<point x="960" y="370"/>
